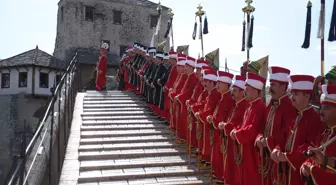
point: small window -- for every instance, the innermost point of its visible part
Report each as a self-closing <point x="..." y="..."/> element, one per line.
<point x="23" y="77"/>
<point x="122" y="50"/>
<point x="58" y="79"/>
<point x="5" y="80"/>
<point x="153" y="20"/>
<point x="44" y="80"/>
<point x="117" y="17"/>
<point x="89" y="13"/>
<point x="62" y="14"/>
<point x="107" y="42"/>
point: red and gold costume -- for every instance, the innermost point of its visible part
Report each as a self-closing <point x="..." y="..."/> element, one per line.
<point x="326" y="175"/>
<point x="253" y="123"/>
<point x="306" y="128"/>
<point x="209" y="108"/>
<point x="220" y="114"/>
<point x="178" y="85"/>
<point x="186" y="93"/>
<point x="280" y="114"/>
<point x="102" y="69"/>
<point x="234" y="120"/>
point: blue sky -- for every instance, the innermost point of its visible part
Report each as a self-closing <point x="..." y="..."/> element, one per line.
<point x="279" y="30"/>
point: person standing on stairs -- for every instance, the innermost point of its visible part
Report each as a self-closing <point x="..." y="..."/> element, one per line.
<point x="302" y="132"/>
<point x="169" y="82"/>
<point x="196" y="104"/>
<point x="210" y="80"/>
<point x="198" y="93"/>
<point x="253" y="123"/>
<point x="102" y="68"/>
<point x="235" y="119"/>
<point x="170" y="66"/>
<point x="177" y="87"/>
<point x="280" y="114"/>
<point x="221" y="113"/>
<point x="182" y="97"/>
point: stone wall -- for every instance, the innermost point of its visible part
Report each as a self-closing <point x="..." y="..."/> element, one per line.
<point x="6" y="132"/>
<point x="14" y="109"/>
<point x="73" y="31"/>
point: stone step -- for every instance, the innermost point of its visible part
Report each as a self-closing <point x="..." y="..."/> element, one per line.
<point x="135" y="173"/>
<point x="133" y="163"/>
<point x="181" y="180"/>
<point x="127" y="146"/>
<point x="126" y="154"/>
<point x="123" y="127"/>
<point x="123" y="133"/>
<point x="115" y="113"/>
<point x="103" y="98"/>
<point x="89" y="92"/>
<point x="131" y="139"/>
<point x="120" y="122"/>
<point x="107" y="106"/>
<point x="116" y="109"/>
<point x="125" y="117"/>
<point x="113" y="102"/>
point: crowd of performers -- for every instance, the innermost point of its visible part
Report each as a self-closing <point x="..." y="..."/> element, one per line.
<point x="227" y="126"/>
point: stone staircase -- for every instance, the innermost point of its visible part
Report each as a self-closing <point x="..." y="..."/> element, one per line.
<point x="121" y="142"/>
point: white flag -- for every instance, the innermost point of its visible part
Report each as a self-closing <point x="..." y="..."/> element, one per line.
<point x="158" y="26"/>
<point x="320" y="32"/>
<point x="153" y="40"/>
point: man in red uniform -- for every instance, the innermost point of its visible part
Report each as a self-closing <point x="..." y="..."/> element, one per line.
<point x="102" y="68"/>
<point x="234" y="121"/>
<point x="221" y="113"/>
<point x="186" y="93"/>
<point x="321" y="167"/>
<point x="307" y="126"/>
<point x="253" y="123"/>
<point x="195" y="103"/>
<point x="210" y="80"/>
<point x="173" y="74"/>
<point x="178" y="85"/>
<point x="279" y="115"/>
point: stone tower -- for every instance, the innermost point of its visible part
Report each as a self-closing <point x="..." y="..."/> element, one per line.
<point x="84" y="24"/>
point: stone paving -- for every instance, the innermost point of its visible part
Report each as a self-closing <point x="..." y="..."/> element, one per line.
<point x="116" y="140"/>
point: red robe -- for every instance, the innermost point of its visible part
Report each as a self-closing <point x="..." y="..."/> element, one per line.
<point x="170" y="83"/>
<point x="177" y="89"/>
<point x="234" y="121"/>
<point x="197" y="106"/>
<point x="280" y="115"/>
<point x="186" y="93"/>
<point x="253" y="123"/>
<point x="325" y="177"/>
<point x="209" y="108"/>
<point x="301" y="135"/>
<point x="101" y="77"/>
<point x="221" y="114"/>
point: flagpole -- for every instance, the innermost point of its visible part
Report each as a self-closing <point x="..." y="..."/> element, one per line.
<point x="322" y="38"/>
<point x="159" y="8"/>
<point x="200" y="13"/>
<point x="248" y="9"/>
<point x="171" y="15"/>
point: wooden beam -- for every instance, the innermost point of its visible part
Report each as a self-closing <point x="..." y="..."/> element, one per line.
<point x="26" y="68"/>
<point x="17" y="69"/>
<point x="39" y="69"/>
<point x="49" y="71"/>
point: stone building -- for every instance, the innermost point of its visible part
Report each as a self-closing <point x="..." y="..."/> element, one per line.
<point x="33" y="73"/>
<point x="83" y="24"/>
<point x="25" y="82"/>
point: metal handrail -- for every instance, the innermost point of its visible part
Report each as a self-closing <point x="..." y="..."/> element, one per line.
<point x="26" y="151"/>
